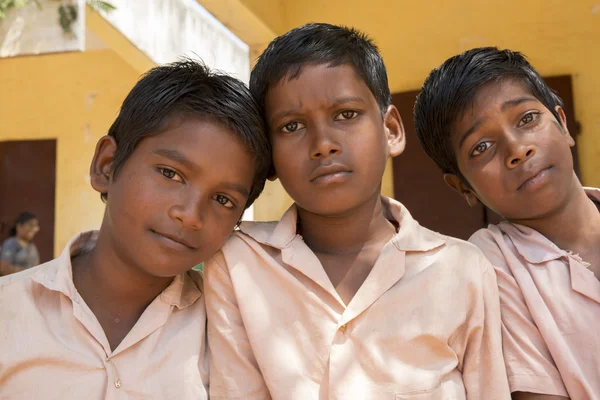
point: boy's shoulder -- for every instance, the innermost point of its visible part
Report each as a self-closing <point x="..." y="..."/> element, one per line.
<point x="19" y="287"/>
<point x="51" y="274"/>
<point x="504" y="244"/>
<point x="455" y="253"/>
<point x="486" y="237"/>
<point x="257" y="231"/>
<point x="251" y="234"/>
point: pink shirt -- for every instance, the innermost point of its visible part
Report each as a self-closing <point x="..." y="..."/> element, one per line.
<point x="550" y="312"/>
<point x="425" y="324"/>
<point x="52" y="346"/>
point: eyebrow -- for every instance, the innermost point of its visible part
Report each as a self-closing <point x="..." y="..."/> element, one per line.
<point x="516" y="102"/>
<point x="505" y="105"/>
<point x="468" y="133"/>
<point x="237" y="188"/>
<point x="348" y="99"/>
<point x="176" y="156"/>
<point x="283" y="114"/>
<point x="333" y="102"/>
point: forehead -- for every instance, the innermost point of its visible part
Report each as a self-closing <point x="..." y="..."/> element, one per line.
<point x="487" y="103"/>
<point x="489" y="98"/>
<point x="199" y="139"/>
<point x="316" y="84"/>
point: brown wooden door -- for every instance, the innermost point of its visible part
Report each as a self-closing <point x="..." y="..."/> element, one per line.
<point x="419" y="185"/>
<point x="27" y="183"/>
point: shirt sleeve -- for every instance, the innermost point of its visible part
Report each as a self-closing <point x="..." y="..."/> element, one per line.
<point x="36" y="256"/>
<point x="234" y="371"/>
<point x="529" y="365"/>
<point x="9" y="249"/>
<point x="479" y="343"/>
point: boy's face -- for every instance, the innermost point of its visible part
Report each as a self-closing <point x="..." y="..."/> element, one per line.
<point x="330" y="144"/>
<point x="177" y="198"/>
<point x="513" y="152"/>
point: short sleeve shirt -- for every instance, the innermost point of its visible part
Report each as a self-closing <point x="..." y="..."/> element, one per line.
<point x="53" y="347"/>
<point x="425" y="324"/>
<point x="550" y="303"/>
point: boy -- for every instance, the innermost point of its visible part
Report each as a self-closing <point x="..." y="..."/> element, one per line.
<point x="346" y="297"/>
<point x="498" y="132"/>
<point x="119" y="314"/>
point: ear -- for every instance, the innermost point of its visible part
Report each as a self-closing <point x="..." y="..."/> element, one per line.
<point x="563" y="124"/>
<point x="459" y="187"/>
<point x="101" y="167"/>
<point x="394" y="131"/>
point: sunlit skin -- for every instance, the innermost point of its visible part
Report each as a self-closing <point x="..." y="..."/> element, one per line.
<point x="172" y="205"/>
<point x="330" y="148"/>
<point x="506" y="138"/>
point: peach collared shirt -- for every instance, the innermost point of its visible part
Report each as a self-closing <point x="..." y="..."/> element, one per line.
<point x="52" y="346"/>
<point x="424" y="325"/>
<point x="550" y="304"/>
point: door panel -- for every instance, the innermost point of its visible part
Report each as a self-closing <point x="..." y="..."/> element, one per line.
<point x="27" y="183"/>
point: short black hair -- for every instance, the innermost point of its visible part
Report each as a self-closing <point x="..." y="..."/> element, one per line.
<point x="451" y="88"/>
<point x="320" y="43"/>
<point x="189" y="88"/>
<point x="23" y="217"/>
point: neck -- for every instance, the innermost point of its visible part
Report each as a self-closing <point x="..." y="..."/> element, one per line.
<point x="104" y="275"/>
<point x="22" y="240"/>
<point x="349" y="232"/>
<point x="578" y="219"/>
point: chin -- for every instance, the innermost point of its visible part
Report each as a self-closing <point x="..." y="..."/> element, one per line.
<point x="162" y="266"/>
<point x="166" y="271"/>
<point x="332" y="208"/>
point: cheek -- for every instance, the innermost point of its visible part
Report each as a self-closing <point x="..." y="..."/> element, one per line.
<point x="287" y="156"/>
<point x="489" y="185"/>
<point x="217" y="229"/>
<point x="137" y="198"/>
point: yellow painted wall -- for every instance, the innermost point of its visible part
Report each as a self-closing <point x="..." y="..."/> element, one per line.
<point x="72" y="97"/>
<point x="271" y="12"/>
<point x="558" y="36"/>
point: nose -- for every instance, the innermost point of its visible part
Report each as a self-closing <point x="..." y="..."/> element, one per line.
<point x="324" y="144"/>
<point x="188" y="211"/>
<point x="518" y="153"/>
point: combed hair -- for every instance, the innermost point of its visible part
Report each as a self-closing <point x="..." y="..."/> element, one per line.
<point x="451" y="88"/>
<point x="320" y="43"/>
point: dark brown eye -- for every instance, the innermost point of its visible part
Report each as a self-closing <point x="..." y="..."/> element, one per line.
<point x="224" y="201"/>
<point x="170" y="174"/>
<point x="481" y="148"/>
<point x="346" y="115"/>
<point x="291" y="126"/>
<point x="528" y="118"/>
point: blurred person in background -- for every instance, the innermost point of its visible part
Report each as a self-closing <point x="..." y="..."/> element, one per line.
<point x="18" y="252"/>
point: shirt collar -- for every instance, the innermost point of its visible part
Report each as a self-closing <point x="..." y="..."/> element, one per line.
<point x="410" y="237"/>
<point x="57" y="275"/>
<point x="532" y="245"/>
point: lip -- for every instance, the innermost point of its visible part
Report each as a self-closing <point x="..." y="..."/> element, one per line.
<point x="175" y="241"/>
<point x="330" y="173"/>
<point x="535" y="178"/>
